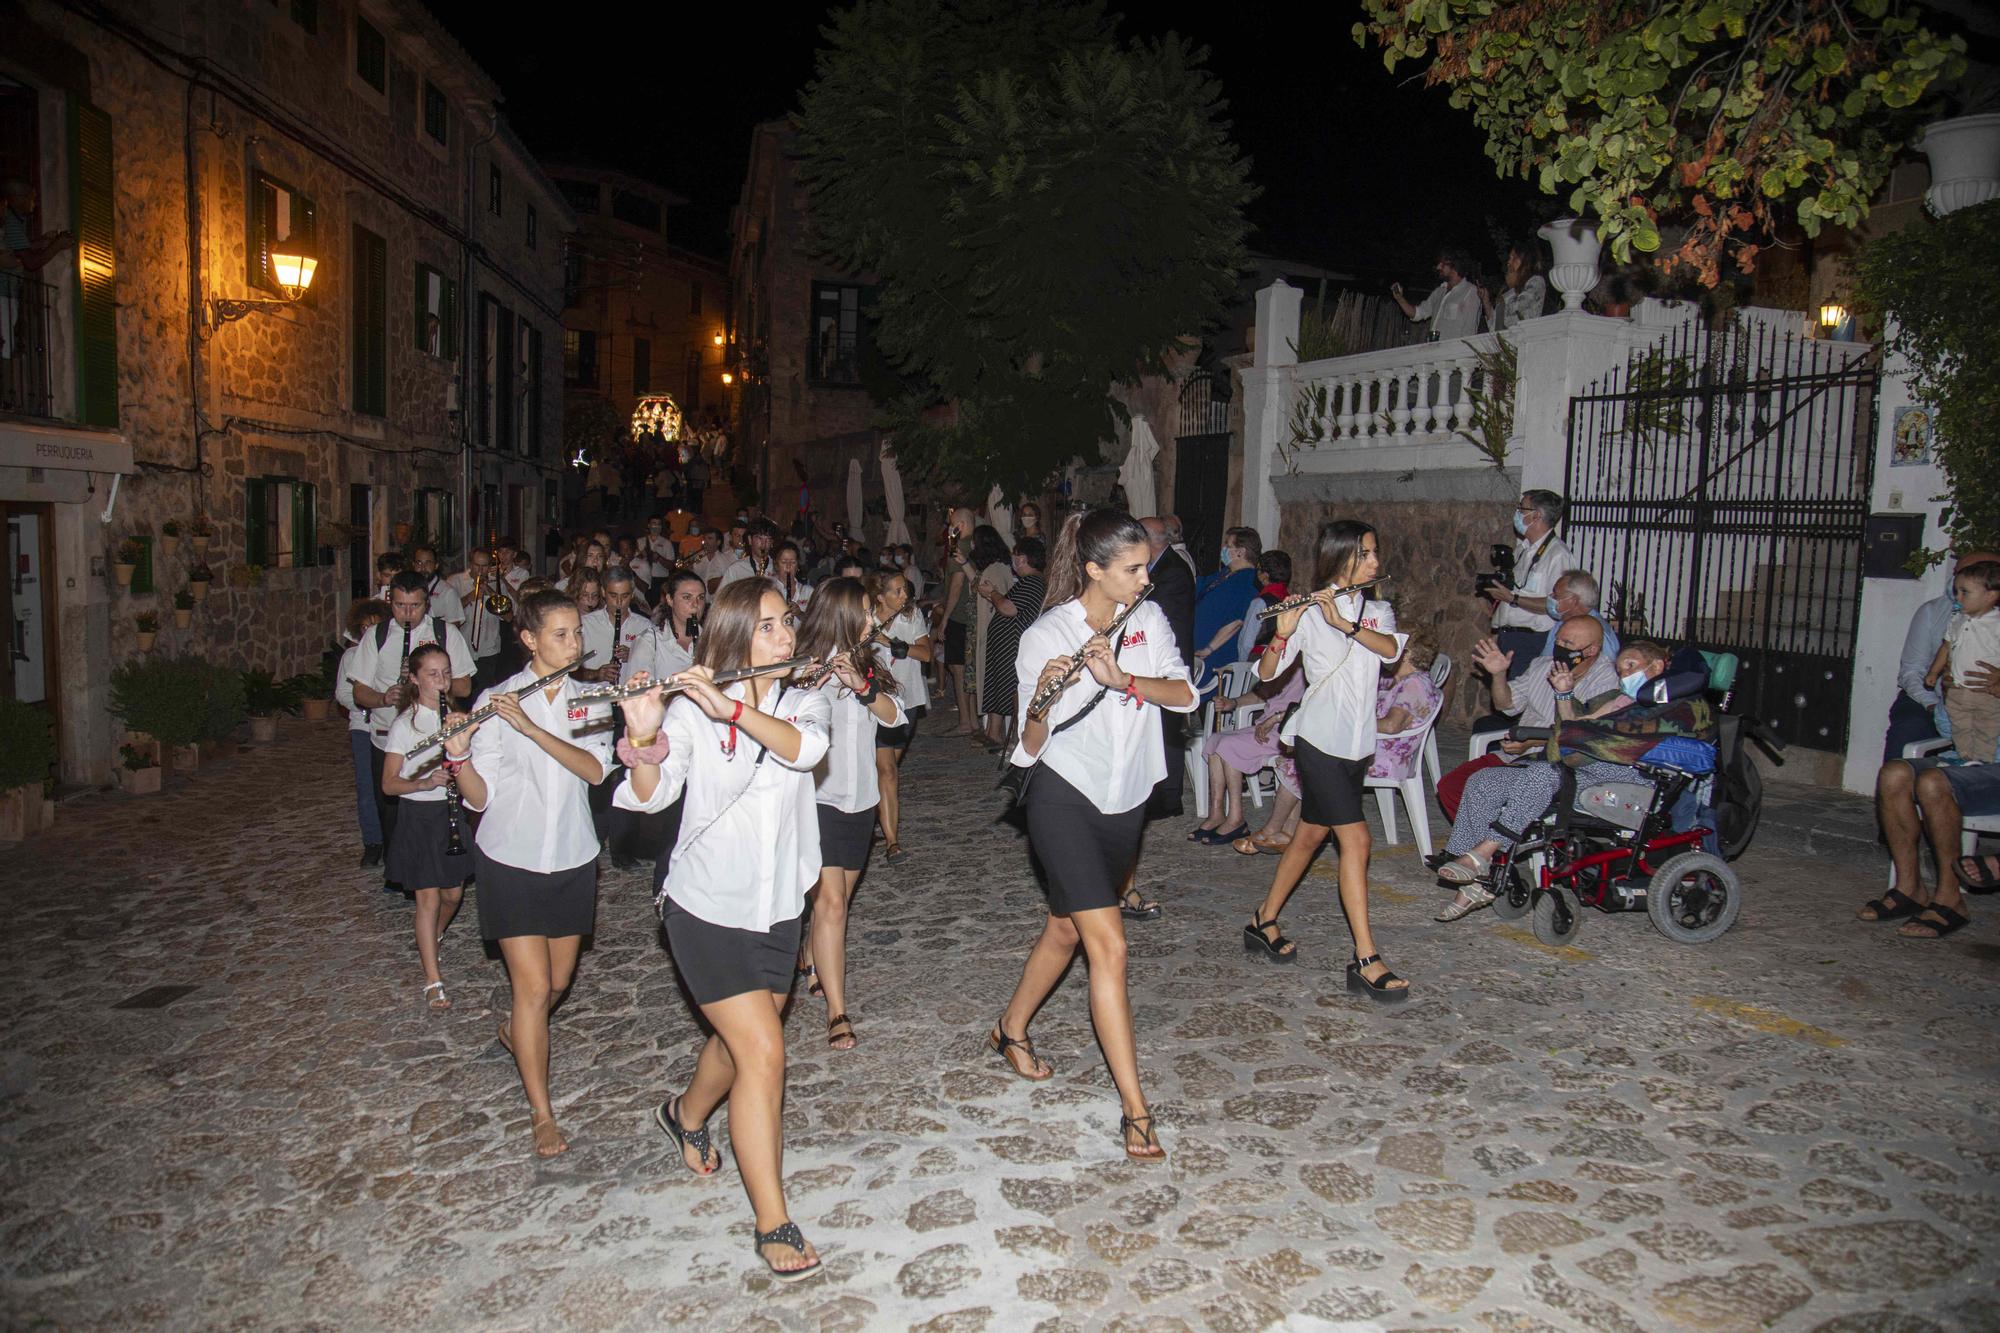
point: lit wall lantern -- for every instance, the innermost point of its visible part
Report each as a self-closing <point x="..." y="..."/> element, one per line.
<point x="728" y="378"/>
<point x="1832" y="315"/>
<point x="291" y="265"/>
<point x="718" y="338"/>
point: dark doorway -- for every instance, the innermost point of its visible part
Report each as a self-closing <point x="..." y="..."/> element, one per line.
<point x="1201" y="464"/>
<point x="360" y="563"/>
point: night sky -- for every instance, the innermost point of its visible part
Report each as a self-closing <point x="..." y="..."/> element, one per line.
<point x="1360" y="171"/>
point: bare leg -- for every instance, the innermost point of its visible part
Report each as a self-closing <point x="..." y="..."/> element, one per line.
<point x="1216" y="808"/>
<point x="829" y="947"/>
<point x="748" y="1025"/>
<point x="962" y="696"/>
<point x="1291" y="869"/>
<point x="1945" y="824"/>
<point x="1896" y="809"/>
<point x="1102" y="932"/>
<point x="886" y="776"/>
<point x="527" y="958"/>
<point x="1355" y="843"/>
<point x="427" y="937"/>
<point x="1047" y="962"/>
<point x="448" y="904"/>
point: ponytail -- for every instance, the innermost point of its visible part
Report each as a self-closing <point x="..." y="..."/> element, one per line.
<point x="1092" y="538"/>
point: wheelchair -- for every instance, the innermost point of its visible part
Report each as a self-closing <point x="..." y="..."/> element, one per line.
<point x="1614" y="847"/>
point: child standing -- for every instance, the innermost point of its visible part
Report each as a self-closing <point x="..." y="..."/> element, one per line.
<point x="1972" y="638"/>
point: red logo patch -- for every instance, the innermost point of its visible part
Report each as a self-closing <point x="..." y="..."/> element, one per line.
<point x="1135" y="638"/>
<point x="578" y="714"/>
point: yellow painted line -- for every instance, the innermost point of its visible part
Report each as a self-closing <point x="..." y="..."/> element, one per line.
<point x="1329" y="870"/>
<point x="1527" y="937"/>
<point x="1765" y="1020"/>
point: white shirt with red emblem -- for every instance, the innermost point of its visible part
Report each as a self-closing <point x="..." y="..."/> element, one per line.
<point x="537" y="813"/>
<point x="1337" y="716"/>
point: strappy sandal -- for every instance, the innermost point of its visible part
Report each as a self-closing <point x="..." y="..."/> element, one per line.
<point x="1380" y="988"/>
<point x="1134" y="907"/>
<point x="1143" y="1126"/>
<point x="785" y="1233"/>
<point x="1891" y="906"/>
<point x="535" y="1123"/>
<point x="811" y="974"/>
<point x="441" y="1003"/>
<point x="1000" y="1043"/>
<point x="833" y="1041"/>
<point x="1949" y="922"/>
<point x="1458" y="873"/>
<point x="1256" y="844"/>
<point x="1275" y="948"/>
<point x="1476" y="896"/>
<point x="894" y="854"/>
<point x="667" y="1115"/>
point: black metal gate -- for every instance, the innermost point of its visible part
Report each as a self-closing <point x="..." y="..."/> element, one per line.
<point x="1201" y="463"/>
<point x="1718" y="488"/>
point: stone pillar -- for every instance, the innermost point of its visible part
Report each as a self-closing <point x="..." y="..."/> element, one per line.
<point x="1560" y="355"/>
<point x="1267" y="402"/>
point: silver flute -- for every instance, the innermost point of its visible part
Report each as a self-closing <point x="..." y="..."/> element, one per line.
<point x="1045" y="698"/>
<point x="1305" y="598"/>
<point x="462" y="722"/>
<point x="609" y="694"/>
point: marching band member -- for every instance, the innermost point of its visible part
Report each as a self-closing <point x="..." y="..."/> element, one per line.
<point x="535" y="854"/>
<point x="1086" y="805"/>
<point x="617" y="643"/>
<point x="676" y="623"/>
<point x="908" y="650"/>
<point x="785" y="573"/>
<point x="444" y="600"/>
<point x="483" y="630"/>
<point x="1333" y="739"/>
<point x="735" y="890"/>
<point x="757" y="561"/>
<point x="421" y="855"/>
<point x="363" y="615"/>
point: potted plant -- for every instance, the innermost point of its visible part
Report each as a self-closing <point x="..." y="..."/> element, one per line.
<point x="138" y="771"/>
<point x="183" y="609"/>
<point x="165" y="697"/>
<point x="126" y="562"/>
<point x="199" y="578"/>
<point x="170" y="537"/>
<point x="223" y="708"/>
<point x="148" y="625"/>
<point x="314" y="692"/>
<point x="27" y="753"/>
<point x="1964" y="148"/>
<point x="265" y="696"/>
<point x="200" y="535"/>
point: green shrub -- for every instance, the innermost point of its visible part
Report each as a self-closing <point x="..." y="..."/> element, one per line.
<point x="27" y="746"/>
<point x="265" y="695"/>
<point x="165" y="697"/>
<point x="223" y="705"/>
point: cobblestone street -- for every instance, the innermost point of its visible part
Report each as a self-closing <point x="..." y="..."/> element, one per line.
<point x="1794" y="1127"/>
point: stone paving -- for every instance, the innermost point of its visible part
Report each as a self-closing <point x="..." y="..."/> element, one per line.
<point x="1793" y="1127"/>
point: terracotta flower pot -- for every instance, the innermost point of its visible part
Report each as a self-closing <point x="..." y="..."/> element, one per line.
<point x="199" y="590"/>
<point x="182" y="619"/>
<point x="263" y="730"/>
<point x="20" y="813"/>
<point x="169" y="543"/>
<point x="146" y="638"/>
<point x="139" y="781"/>
<point x="317" y="710"/>
<point x="186" y="758"/>
<point x="124" y="573"/>
<point x="200" y="545"/>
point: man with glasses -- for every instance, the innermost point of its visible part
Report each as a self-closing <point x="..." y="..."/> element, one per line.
<point x="1576" y="595"/>
<point x="1528" y="697"/>
<point x="1524" y="614"/>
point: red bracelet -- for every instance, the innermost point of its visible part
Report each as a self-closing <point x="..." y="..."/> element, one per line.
<point x="1278" y="642"/>
<point x="729" y="746"/>
<point x="1132" y="691"/>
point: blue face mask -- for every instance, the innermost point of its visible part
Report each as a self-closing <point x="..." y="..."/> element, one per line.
<point x="1633" y="683"/>
<point x="1520" y="524"/>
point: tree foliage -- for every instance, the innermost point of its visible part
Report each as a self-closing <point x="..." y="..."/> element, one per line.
<point x="1940" y="286"/>
<point x="1728" y="117"/>
<point x="1047" y="210"/>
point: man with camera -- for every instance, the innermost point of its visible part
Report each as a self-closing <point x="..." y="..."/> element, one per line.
<point x="1522" y="585"/>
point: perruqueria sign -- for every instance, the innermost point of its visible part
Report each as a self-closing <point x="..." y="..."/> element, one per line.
<point x="50" y="463"/>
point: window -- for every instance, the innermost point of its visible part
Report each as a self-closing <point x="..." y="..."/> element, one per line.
<point x="305" y="13"/>
<point x="527" y="345"/>
<point x="371" y="323"/>
<point x="532" y="370"/>
<point x="437" y="114"/>
<point x="572" y="277"/>
<point x="436" y="311"/>
<point x="496" y="374"/>
<point x="531" y="226"/>
<point x="280" y="523"/>
<point x="692" y="401"/>
<point x="636" y="209"/>
<point x="495" y="192"/>
<point x="839" y="333"/>
<point x="642" y="366"/>
<point x="371" y="55"/>
<point x="277" y="213"/>
<point x="580" y="359"/>
<point x="435" y="512"/>
<point x="579" y="195"/>
<point x="93" y="196"/>
<point x="694" y="298"/>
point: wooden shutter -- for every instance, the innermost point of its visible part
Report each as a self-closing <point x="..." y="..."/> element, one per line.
<point x="257" y="232"/>
<point x="371" y="323"/>
<point x="95" y="223"/>
<point x="420" y="307"/>
<point x="256" y="543"/>
<point x="449" y="317"/>
<point x="305" y="524"/>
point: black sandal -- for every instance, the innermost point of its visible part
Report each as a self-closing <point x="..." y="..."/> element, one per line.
<point x="1949" y="921"/>
<point x="1136" y="908"/>
<point x="667" y="1115"/>
<point x="811" y="974"/>
<point x="785" y="1233"/>
<point x="840" y="1021"/>
<point x="1379" y="988"/>
<point x="1254" y="939"/>
<point x="1147" y="1138"/>
<point x="999" y="1042"/>
<point x="1891" y="906"/>
<point x="1986" y="881"/>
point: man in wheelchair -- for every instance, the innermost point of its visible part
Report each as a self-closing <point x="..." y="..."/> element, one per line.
<point x="1611" y="753"/>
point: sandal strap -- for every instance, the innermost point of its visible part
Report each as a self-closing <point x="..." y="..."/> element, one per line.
<point x="1951" y="917"/>
<point x="1371" y="958"/>
<point x="694" y="1138"/>
<point x="785" y="1233"/>
<point x="839" y="1020"/>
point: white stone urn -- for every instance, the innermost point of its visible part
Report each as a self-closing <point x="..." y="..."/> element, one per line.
<point x="1574" y="244"/>
<point x="1965" y="162"/>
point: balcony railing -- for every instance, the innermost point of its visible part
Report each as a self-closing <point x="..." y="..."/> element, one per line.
<point x="1421" y="394"/>
<point x="27" y="370"/>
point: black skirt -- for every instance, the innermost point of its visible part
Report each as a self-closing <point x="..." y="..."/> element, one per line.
<point x="844" y="838"/>
<point x="717" y="962"/>
<point x="417" y="857"/>
<point x="1084" y="854"/>
<point x="954" y="643"/>
<point x="515" y="902"/>
<point x="1330" y="789"/>
<point x="895" y="738"/>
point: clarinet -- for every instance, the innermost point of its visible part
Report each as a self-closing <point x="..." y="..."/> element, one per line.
<point x="454" y="809"/>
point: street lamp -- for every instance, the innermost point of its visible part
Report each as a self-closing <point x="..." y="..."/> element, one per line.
<point x="294" y="268"/>
<point x="717" y="340"/>
<point x="728" y="378"/>
<point x="1832" y="315"/>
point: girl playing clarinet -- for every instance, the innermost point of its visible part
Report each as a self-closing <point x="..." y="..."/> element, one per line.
<point x="735" y="889"/>
<point x="420" y="854"/>
<point x="1333" y="744"/>
<point x="1100" y="753"/>
<point x="535" y="854"/>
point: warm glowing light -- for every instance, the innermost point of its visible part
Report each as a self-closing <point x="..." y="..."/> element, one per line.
<point x="718" y="339"/>
<point x="1832" y="315"/>
<point x="657" y="414"/>
<point x="728" y="378"/>
<point x="294" y="271"/>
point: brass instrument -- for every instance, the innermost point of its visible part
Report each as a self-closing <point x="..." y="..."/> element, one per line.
<point x="1305" y="598"/>
<point x="611" y="694"/>
<point x="1045" y="698"/>
<point x="467" y="721"/>
<point x="497" y="603"/>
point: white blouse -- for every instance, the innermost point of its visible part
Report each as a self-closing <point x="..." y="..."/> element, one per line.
<point x="1337" y="715"/>
<point x="343" y="689"/>
<point x="410" y="727"/>
<point x="632" y="632"/>
<point x="1115" y="755"/>
<point x="664" y="655"/>
<point x="846" y="775"/>
<point x="381" y="668"/>
<point x="749" y="844"/>
<point x="537" y="813"/>
<point x="906" y="629"/>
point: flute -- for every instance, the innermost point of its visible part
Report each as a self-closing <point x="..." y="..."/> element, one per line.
<point x="1305" y="598"/>
<point x="1045" y="698"/>
<point x="632" y="689"/>
<point x="484" y="711"/>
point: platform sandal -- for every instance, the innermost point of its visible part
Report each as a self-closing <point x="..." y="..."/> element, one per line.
<point x="1380" y="988"/>
<point x="1276" y="949"/>
<point x="785" y="1233"/>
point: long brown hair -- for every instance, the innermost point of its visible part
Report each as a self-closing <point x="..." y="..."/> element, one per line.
<point x="836" y="618"/>
<point x="730" y="624"/>
<point x="1093" y="538"/>
<point x="1338" y="550"/>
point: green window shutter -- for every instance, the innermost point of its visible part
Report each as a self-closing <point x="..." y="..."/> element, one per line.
<point x="450" y="320"/>
<point x="95" y="224"/>
<point x="142" y="568"/>
<point x="257" y="233"/>
<point x="305" y="524"/>
<point x="256" y="545"/>
<point x="421" y="307"/>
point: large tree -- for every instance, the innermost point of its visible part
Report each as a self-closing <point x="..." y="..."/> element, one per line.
<point x="1731" y="118"/>
<point x="1047" y="210"/>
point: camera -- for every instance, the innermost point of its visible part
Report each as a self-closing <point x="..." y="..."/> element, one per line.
<point x="1502" y="576"/>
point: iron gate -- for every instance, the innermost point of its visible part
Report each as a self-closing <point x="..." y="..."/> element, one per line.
<point x="1201" y="463"/>
<point x="1718" y="488"/>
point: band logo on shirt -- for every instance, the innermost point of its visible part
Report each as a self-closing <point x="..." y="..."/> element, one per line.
<point x="1135" y="638"/>
<point x="578" y="713"/>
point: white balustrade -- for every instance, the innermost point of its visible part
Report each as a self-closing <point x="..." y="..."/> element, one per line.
<point x="1420" y="394"/>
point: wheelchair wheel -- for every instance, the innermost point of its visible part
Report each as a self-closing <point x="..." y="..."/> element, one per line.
<point x="1516" y="898"/>
<point x="1557" y="917"/>
<point x="1694" y="897"/>
<point x="1741" y="805"/>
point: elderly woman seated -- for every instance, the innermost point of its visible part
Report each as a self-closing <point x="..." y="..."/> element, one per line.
<point x="1501" y="803"/>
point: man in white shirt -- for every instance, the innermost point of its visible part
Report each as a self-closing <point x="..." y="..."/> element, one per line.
<point x="1524" y="614"/>
<point x="614" y="635"/>
<point x="756" y="563"/>
<point x="378" y="671"/>
<point x="482" y="628"/>
<point x="444" y="601"/>
<point x="507" y="559"/>
<point x="1453" y="305"/>
<point x="656" y="545"/>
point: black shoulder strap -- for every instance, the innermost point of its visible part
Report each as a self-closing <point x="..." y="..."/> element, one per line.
<point x="437" y="633"/>
<point x="1084" y="711"/>
<point x="381" y="635"/>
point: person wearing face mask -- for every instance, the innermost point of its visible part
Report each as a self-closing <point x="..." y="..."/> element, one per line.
<point x="1222" y="601"/>
<point x="1530" y="700"/>
<point x="1525" y="613"/>
<point x="1575" y="594"/>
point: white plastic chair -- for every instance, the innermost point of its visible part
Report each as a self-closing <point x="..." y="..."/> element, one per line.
<point x="1972" y="825"/>
<point x="1440" y="677"/>
<point x="1229" y="681"/>
<point x="1411" y="788"/>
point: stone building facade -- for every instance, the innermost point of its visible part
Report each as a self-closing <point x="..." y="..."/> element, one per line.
<point x="181" y="143"/>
